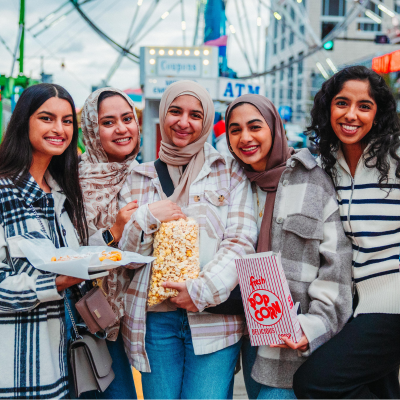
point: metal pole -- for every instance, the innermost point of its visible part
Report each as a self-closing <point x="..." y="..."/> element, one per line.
<point x="21" y="43"/>
<point x="16" y="51"/>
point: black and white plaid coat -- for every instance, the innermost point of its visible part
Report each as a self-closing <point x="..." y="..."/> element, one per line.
<point x="32" y="324"/>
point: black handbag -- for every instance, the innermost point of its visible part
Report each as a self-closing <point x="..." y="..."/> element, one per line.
<point x="233" y="305"/>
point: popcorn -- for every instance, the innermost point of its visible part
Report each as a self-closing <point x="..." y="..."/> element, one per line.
<point x="176" y="250"/>
<point x="104" y="255"/>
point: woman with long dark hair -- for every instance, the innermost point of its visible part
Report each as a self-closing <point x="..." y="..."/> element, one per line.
<point x="298" y="216"/>
<point x="40" y="197"/>
<point x="356" y="129"/>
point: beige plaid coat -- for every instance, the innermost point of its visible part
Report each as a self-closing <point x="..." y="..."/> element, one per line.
<point x="221" y="202"/>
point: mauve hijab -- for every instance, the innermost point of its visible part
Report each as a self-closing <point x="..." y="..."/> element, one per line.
<point x="191" y="155"/>
<point x="280" y="152"/>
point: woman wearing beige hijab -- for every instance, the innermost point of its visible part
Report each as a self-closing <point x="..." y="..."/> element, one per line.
<point x="111" y="136"/>
<point x="182" y="350"/>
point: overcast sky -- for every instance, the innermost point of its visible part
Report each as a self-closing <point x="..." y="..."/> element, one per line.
<point x="88" y="58"/>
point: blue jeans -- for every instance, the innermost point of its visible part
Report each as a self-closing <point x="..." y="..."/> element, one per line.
<point x="249" y="354"/>
<point x="123" y="386"/>
<point x="268" y="392"/>
<point x="254" y="389"/>
<point x="176" y="372"/>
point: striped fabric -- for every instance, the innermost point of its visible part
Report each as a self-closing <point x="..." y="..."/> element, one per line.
<point x="371" y="219"/>
<point x="32" y="329"/>
<point x="316" y="259"/>
<point x="221" y="202"/>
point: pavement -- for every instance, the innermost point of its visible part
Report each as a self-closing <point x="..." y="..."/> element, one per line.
<point x="239" y="390"/>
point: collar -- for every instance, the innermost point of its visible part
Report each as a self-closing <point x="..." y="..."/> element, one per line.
<point x="341" y="160"/>
<point x="211" y="157"/>
<point x="304" y="157"/>
<point x="30" y="191"/>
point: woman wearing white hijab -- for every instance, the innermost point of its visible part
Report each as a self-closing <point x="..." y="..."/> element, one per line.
<point x="112" y="141"/>
<point x="182" y="350"/>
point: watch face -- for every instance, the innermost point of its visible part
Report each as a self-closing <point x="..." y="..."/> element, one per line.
<point x="107" y="236"/>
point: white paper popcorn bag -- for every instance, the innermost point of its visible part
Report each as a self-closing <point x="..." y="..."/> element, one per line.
<point x="268" y="303"/>
<point x="176" y="249"/>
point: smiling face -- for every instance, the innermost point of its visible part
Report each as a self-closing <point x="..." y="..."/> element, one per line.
<point x="250" y="136"/>
<point x="184" y="120"/>
<point x="353" y="111"/>
<point x="117" y="128"/>
<point x="51" y="128"/>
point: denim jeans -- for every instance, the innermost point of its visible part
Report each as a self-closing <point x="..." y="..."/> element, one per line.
<point x="122" y="387"/>
<point x="268" y="392"/>
<point x="176" y="372"/>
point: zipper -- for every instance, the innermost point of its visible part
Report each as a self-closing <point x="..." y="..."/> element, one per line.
<point x="353" y="286"/>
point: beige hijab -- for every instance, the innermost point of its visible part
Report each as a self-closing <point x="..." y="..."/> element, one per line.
<point x="193" y="154"/>
<point x="101" y="181"/>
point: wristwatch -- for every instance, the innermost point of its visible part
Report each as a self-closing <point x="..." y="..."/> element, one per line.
<point x="109" y="238"/>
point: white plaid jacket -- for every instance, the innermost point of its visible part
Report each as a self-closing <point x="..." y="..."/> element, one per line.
<point x="32" y="328"/>
<point x="221" y="202"/>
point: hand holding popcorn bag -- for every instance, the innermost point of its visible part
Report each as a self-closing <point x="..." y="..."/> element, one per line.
<point x="176" y="248"/>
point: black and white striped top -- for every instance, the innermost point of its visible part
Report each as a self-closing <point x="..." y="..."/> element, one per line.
<point x="371" y="219"/>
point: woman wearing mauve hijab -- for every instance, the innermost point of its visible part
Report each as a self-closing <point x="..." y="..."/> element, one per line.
<point x="297" y="214"/>
<point x="182" y="350"/>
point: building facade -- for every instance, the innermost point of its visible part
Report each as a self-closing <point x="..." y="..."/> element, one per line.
<point x="297" y="30"/>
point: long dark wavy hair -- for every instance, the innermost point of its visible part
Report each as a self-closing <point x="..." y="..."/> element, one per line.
<point x="16" y="151"/>
<point x="383" y="138"/>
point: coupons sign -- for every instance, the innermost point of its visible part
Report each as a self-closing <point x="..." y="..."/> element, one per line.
<point x="270" y="312"/>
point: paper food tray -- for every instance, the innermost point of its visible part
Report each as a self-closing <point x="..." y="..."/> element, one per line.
<point x="39" y="253"/>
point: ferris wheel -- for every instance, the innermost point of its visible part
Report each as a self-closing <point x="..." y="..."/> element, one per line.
<point x="243" y="21"/>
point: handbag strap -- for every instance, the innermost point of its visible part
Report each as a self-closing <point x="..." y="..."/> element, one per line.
<point x="71" y="316"/>
<point x="39" y="220"/>
<point x="164" y="177"/>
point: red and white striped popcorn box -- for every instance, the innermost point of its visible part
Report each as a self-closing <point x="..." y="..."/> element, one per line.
<point x="270" y="311"/>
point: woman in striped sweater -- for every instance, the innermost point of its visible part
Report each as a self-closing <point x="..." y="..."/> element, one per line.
<point x="356" y="129"/>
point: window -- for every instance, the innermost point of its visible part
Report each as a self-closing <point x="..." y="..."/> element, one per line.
<point x="282" y="72"/>
<point x="275" y="28"/>
<point x="281" y="94"/>
<point x="371" y="26"/>
<point x="367" y="27"/>
<point x="273" y="75"/>
<point x="374" y="8"/>
<point x="273" y="95"/>
<point x="334" y="7"/>
<point x="275" y="48"/>
<point x="283" y="43"/>
<point x="299" y="111"/>
<point x="290" y="91"/>
<point x="326" y="28"/>
<point x="283" y="22"/>
<point x="292" y="14"/>
<point x="299" y="89"/>
<point x="302" y="29"/>
<point x="397" y="8"/>
<point x="300" y="64"/>
<point x="290" y="76"/>
<point x="291" y="38"/>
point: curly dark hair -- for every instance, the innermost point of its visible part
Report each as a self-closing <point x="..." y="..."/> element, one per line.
<point x="383" y="138"/>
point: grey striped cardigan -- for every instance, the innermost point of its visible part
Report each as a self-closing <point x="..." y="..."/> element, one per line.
<point x="316" y="257"/>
